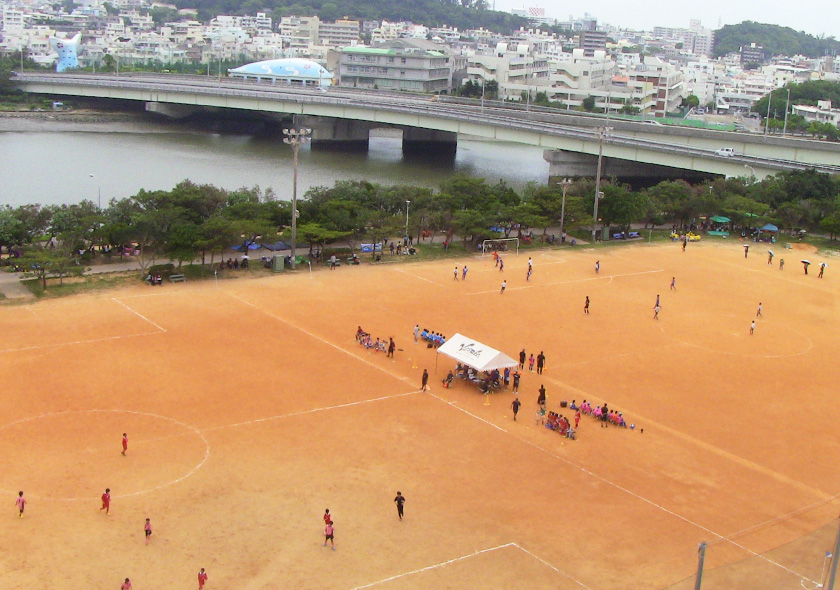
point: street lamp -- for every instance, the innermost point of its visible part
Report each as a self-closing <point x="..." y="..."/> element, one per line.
<point x="295" y="137"/>
<point x="407" y="205"/>
<point x="603" y="132"/>
<point x="98" y="193"/>
<point x="564" y="184"/>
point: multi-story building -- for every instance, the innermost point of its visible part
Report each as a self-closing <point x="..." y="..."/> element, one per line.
<point x="666" y="79"/>
<point x="752" y="53"/>
<point x="592" y="40"/>
<point x="402" y="64"/>
<point x="339" y="34"/>
<point x="822" y="113"/>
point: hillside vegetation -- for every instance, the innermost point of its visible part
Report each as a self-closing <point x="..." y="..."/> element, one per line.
<point x="775" y="39"/>
<point x="464" y="14"/>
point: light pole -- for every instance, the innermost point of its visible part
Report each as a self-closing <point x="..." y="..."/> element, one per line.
<point x="598" y="194"/>
<point x="98" y="193"/>
<point x="787" y="109"/>
<point x="767" y="118"/>
<point x="407" y="205"/>
<point x="295" y="137"/>
<point x="751" y="170"/>
<point x="564" y="184"/>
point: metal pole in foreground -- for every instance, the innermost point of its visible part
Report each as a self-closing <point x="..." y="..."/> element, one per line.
<point x="701" y="556"/>
<point x="295" y="137"/>
<point x="833" y="575"/>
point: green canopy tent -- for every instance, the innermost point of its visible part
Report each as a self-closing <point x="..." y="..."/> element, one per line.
<point x="718" y="231"/>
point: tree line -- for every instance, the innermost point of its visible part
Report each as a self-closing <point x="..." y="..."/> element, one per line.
<point x="200" y="221"/>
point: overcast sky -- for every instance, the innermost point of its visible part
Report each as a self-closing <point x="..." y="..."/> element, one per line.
<point x="817" y="18"/>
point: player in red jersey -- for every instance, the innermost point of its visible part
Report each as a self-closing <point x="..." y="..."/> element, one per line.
<point x="124" y="443"/>
<point x="327" y="517"/>
<point x="202" y="579"/>
<point x="148" y="529"/>
<point x="106" y="501"/>
<point x="126" y="585"/>
<point x="21" y="504"/>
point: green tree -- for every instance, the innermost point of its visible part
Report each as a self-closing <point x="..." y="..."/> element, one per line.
<point x="831" y="225"/>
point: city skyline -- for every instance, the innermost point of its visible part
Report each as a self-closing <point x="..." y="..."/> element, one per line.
<point x="710" y="13"/>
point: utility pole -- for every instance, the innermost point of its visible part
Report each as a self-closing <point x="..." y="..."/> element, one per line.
<point x="295" y="137"/>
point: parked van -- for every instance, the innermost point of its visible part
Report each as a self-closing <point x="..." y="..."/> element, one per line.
<point x="725" y="152"/>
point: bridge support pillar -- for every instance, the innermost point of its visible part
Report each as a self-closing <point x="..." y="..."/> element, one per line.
<point x="334" y="134"/>
<point x="417" y="140"/>
<point x="564" y="164"/>
<point x="173" y="111"/>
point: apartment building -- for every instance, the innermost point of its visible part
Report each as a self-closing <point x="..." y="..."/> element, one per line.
<point x="402" y="64"/>
<point x="339" y="34"/>
<point x="822" y="113"/>
<point x="666" y="79"/>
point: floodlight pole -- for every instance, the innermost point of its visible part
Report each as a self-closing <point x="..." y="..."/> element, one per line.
<point x="295" y="137"/>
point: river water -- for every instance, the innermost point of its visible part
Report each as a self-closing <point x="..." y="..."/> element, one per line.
<point x="50" y="160"/>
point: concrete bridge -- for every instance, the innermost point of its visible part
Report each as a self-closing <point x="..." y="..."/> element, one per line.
<point x="340" y="117"/>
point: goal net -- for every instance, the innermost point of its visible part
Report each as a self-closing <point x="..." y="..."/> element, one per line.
<point x="499" y="245"/>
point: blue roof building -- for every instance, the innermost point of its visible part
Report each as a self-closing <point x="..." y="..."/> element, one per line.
<point x="291" y="71"/>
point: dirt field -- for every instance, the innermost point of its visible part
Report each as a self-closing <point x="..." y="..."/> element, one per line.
<point x="250" y="408"/>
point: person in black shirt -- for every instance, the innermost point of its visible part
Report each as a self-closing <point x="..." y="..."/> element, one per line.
<point x="399" y="500"/>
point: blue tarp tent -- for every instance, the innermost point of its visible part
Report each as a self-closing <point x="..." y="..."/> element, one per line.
<point x="251" y="246"/>
<point x="277" y="246"/>
<point x="769" y="227"/>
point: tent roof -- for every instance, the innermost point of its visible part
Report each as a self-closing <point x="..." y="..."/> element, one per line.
<point x="475" y="354"/>
<point x="769" y="227"/>
<point x="720" y="219"/>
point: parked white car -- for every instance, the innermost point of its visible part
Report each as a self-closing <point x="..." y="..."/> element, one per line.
<point x="725" y="152"/>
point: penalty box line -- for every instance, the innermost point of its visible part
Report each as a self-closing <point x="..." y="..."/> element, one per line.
<point x="160" y="330"/>
<point x="581" y="468"/>
<point x="468" y="556"/>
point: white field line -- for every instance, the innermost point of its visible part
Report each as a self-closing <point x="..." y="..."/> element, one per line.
<point x="631" y="493"/>
<point x="138" y="314"/>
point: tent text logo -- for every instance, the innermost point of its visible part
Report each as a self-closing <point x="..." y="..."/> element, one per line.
<point x="469" y="349"/>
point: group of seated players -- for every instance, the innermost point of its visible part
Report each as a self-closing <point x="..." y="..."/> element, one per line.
<point x="603" y="414"/>
<point x="560" y="424"/>
<point x="365" y="340"/>
<point x="434" y="339"/>
<point x="487" y="381"/>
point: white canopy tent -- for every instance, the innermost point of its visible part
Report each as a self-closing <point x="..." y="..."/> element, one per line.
<point x="475" y="354"/>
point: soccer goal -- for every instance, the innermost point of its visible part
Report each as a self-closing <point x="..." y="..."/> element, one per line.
<point x="499" y="245"/>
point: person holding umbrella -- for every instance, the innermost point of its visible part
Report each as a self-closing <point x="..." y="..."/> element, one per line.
<point x="770" y="257"/>
<point x="822" y="270"/>
<point x="805" y="265"/>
